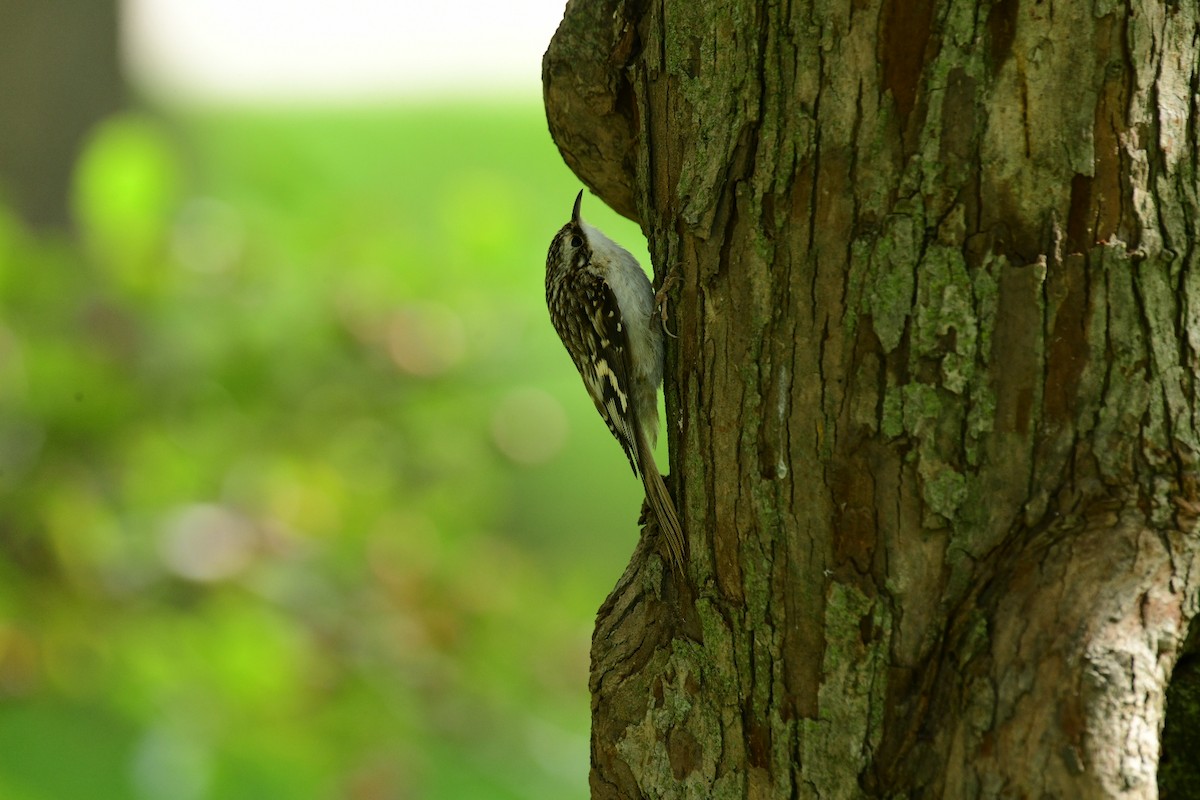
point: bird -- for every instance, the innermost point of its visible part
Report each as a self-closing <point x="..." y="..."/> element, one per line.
<point x="604" y="309"/>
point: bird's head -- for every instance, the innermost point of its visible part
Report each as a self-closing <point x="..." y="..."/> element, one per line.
<point x="570" y="249"/>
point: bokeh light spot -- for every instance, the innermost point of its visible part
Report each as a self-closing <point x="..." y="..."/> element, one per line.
<point x="21" y="443"/>
<point x="529" y="426"/>
<point x="426" y="339"/>
<point x="206" y="542"/>
<point x="127" y="185"/>
<point x="167" y="764"/>
<point x="208" y="237"/>
<point x="13" y="381"/>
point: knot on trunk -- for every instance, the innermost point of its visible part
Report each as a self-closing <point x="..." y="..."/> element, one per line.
<point x="589" y="104"/>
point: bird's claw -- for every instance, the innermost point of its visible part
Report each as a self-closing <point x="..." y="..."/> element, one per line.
<point x="661" y="301"/>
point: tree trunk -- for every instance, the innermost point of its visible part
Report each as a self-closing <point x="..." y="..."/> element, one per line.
<point x="59" y="75"/>
<point x="933" y="408"/>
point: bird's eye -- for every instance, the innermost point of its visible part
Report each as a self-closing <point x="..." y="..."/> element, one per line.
<point x="576" y="241"/>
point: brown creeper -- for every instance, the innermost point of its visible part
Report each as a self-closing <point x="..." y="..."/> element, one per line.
<point x="603" y="307"/>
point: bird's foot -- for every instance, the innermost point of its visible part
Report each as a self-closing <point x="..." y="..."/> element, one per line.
<point x="661" y="301"/>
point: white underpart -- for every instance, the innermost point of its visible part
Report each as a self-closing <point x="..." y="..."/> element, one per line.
<point x="635" y="296"/>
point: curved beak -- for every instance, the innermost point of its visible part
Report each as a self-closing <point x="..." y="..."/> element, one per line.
<point x="575" y="210"/>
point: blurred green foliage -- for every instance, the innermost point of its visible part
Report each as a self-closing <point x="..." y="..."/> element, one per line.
<point x="299" y="495"/>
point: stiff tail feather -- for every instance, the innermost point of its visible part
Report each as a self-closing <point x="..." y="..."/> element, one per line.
<point x="663" y="506"/>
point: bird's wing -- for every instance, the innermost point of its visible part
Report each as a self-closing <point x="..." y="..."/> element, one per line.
<point x="605" y="364"/>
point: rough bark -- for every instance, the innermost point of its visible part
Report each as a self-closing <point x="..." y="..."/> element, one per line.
<point x="933" y="405"/>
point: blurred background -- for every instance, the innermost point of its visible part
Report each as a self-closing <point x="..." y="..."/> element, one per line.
<point x="300" y="496"/>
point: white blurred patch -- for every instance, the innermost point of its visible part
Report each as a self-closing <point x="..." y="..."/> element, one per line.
<point x="529" y="426"/>
<point x="355" y="50"/>
<point x="206" y="542"/>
